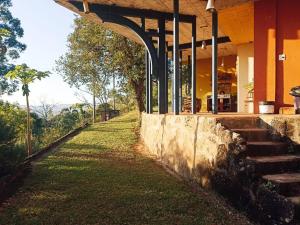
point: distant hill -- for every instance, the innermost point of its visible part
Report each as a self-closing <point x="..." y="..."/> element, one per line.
<point x="56" y="108"/>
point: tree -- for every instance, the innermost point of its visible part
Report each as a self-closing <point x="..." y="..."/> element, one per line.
<point x="45" y="111"/>
<point x="25" y="75"/>
<point x="127" y="58"/>
<point x="10" y="47"/>
<point x="96" y="52"/>
<point x="82" y="65"/>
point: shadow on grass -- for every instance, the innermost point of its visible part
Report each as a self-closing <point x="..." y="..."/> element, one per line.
<point x="108" y="130"/>
<point x="74" y="146"/>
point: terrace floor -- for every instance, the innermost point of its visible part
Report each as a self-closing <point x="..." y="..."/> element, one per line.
<point x="98" y="177"/>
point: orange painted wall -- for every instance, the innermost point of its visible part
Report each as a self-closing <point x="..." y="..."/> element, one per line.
<point x="204" y="77"/>
<point x="288" y="42"/>
<point x="264" y="51"/>
<point x="276" y="31"/>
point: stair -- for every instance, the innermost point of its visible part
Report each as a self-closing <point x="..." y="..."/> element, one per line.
<point x="275" y="164"/>
<point x="288" y="184"/>
<point x="253" y="134"/>
<point x="266" y="148"/>
<point x="269" y="160"/>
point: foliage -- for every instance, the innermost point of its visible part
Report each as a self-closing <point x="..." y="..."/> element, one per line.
<point x="15" y="117"/>
<point x="10" y="32"/>
<point x="11" y="126"/>
<point x="96" y="55"/>
<point x="82" y="66"/>
<point x="44" y="131"/>
<point x="26" y="76"/>
<point x="127" y="59"/>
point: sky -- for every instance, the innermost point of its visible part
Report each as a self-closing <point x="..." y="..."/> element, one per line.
<point x="46" y="27"/>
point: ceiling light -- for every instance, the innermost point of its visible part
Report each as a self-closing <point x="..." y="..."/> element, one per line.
<point x="86" y="7"/>
<point x="210" y="6"/>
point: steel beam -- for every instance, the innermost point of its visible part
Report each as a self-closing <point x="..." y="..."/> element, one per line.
<point x="147" y="82"/>
<point x="131" y="12"/>
<point x="185" y="46"/>
<point x="167" y="80"/>
<point x="154" y="33"/>
<point x="215" y="62"/>
<point x="194" y="66"/>
<point x="150" y="88"/>
<point x="161" y="66"/>
<point x="146" y="70"/>
<point x="189" y="81"/>
<point x="180" y="81"/>
<point x="108" y="16"/>
<point x="176" y="56"/>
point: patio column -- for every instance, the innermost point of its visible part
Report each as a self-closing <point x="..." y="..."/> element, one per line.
<point x="150" y="86"/>
<point x="214" y="62"/>
<point x="147" y="82"/>
<point x="161" y="66"/>
<point x="194" y="66"/>
<point x="176" y="56"/>
<point x="189" y="82"/>
<point x="146" y="69"/>
<point x="180" y="81"/>
<point x="167" y="79"/>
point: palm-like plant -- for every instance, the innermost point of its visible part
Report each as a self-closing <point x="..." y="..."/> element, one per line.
<point x="25" y="75"/>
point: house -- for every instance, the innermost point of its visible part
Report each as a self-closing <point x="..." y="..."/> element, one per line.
<point x="238" y="53"/>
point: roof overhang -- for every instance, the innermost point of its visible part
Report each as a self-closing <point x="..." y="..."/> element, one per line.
<point x="135" y="9"/>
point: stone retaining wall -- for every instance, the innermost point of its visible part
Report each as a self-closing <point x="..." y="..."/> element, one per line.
<point x="193" y="146"/>
<point x="285" y="126"/>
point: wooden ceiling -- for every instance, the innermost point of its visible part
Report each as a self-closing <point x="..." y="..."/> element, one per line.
<point x="228" y="10"/>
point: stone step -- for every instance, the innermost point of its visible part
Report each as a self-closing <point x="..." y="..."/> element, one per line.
<point x="240" y="122"/>
<point x="296" y="201"/>
<point x="254" y="134"/>
<point x="266" y="148"/>
<point x="287" y="184"/>
<point x="274" y="164"/>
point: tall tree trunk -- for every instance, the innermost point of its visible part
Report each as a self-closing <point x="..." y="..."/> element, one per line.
<point x="114" y="91"/>
<point x="29" y="146"/>
<point x="94" y="107"/>
<point x="139" y="89"/>
<point x="94" y="99"/>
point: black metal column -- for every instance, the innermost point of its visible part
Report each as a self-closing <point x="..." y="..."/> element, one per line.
<point x="167" y="79"/>
<point x="146" y="69"/>
<point x="161" y="66"/>
<point x="150" y="86"/>
<point x="180" y="81"/>
<point x="194" y="66"/>
<point x="215" y="62"/>
<point x="147" y="82"/>
<point x="176" y="56"/>
<point x="189" y="78"/>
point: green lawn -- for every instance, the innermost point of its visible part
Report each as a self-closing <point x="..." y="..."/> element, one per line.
<point x="98" y="178"/>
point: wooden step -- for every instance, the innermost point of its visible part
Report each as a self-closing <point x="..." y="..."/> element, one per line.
<point x="296" y="201"/>
<point x="274" y="164"/>
<point x="288" y="184"/>
<point x="240" y="122"/>
<point x="266" y="148"/>
<point x="254" y="134"/>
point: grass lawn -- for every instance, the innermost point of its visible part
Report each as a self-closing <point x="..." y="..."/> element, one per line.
<point x="98" y="178"/>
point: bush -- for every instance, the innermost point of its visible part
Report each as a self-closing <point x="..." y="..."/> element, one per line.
<point x="10" y="153"/>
